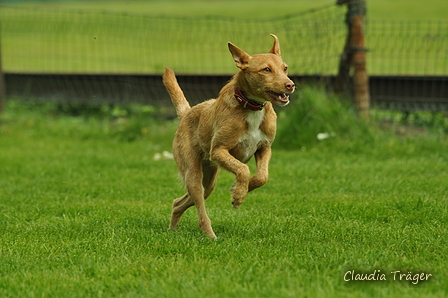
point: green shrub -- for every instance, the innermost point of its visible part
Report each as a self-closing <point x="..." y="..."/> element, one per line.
<point x="315" y="117"/>
<point x="127" y="123"/>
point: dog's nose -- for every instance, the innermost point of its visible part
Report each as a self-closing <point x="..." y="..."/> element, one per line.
<point x="289" y="85"/>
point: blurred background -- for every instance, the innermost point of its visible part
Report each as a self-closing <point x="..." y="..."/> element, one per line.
<point x="114" y="51"/>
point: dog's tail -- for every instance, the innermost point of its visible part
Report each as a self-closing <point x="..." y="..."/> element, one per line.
<point x="176" y="94"/>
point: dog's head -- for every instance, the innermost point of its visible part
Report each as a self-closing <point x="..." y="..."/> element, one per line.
<point x="265" y="76"/>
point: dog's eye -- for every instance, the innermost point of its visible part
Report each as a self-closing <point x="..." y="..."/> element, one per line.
<point x="267" y="69"/>
<point x="286" y="68"/>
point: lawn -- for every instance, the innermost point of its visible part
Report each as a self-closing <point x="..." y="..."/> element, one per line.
<point x="253" y="9"/>
<point x="191" y="36"/>
<point x="85" y="206"/>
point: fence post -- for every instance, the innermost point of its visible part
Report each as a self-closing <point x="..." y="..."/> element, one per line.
<point x="2" y="78"/>
<point x="354" y="55"/>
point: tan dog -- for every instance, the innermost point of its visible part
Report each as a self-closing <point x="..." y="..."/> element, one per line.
<point x="226" y="132"/>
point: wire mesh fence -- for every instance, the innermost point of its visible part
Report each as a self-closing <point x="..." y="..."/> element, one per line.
<point x="49" y="41"/>
<point x="59" y="42"/>
<point x="408" y="47"/>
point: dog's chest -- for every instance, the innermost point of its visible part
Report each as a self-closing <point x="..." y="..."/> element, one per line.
<point x="251" y="140"/>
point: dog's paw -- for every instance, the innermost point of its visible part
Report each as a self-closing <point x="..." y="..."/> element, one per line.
<point x="239" y="192"/>
<point x="236" y="203"/>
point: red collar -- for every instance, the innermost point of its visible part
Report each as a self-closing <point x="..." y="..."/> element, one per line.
<point x="246" y="102"/>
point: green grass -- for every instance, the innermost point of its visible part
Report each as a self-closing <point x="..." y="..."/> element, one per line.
<point x="378" y="9"/>
<point x="84" y="212"/>
<point x="142" y="36"/>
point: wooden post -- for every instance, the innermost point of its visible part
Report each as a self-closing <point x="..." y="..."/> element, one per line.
<point x="342" y="80"/>
<point x="360" y="77"/>
<point x="2" y="79"/>
<point x="354" y="55"/>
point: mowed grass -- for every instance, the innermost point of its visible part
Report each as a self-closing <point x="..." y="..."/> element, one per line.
<point x="191" y="36"/>
<point x="85" y="207"/>
<point x="378" y="10"/>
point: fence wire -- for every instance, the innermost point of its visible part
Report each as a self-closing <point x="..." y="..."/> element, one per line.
<point x="72" y="56"/>
<point x="407" y="47"/>
<point x="55" y="41"/>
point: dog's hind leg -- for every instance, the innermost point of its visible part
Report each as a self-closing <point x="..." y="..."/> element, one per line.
<point x="210" y="173"/>
<point x="193" y="181"/>
<point x="179" y="206"/>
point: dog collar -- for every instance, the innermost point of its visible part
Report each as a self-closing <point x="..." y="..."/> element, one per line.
<point x="246" y="102"/>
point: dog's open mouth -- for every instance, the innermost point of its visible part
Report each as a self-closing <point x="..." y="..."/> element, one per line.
<point x="281" y="99"/>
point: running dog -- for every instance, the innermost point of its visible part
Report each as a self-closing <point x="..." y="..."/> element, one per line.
<point x="227" y="131"/>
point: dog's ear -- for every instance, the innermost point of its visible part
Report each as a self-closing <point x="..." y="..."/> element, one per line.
<point x="240" y="57"/>
<point x="276" y="47"/>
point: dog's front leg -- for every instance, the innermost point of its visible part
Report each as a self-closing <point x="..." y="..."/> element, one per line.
<point x="262" y="158"/>
<point x="242" y="173"/>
